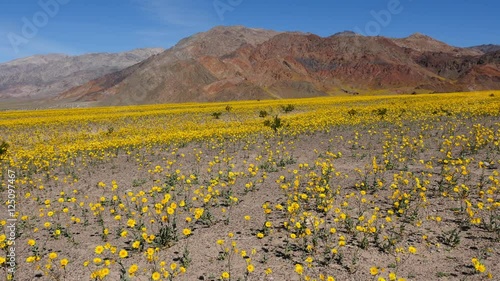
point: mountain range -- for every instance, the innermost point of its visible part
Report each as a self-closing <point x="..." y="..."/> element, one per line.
<point x="240" y="63"/>
<point x="44" y="76"/>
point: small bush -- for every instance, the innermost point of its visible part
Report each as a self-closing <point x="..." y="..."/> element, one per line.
<point x="229" y="108"/>
<point x="288" y="108"/>
<point x="263" y="113"/>
<point x="216" y="115"/>
<point x="381" y="112"/>
<point x="3" y="149"/>
<point x="450" y="238"/>
<point x="352" y="112"/>
<point x="110" y="130"/>
<point x="274" y="124"/>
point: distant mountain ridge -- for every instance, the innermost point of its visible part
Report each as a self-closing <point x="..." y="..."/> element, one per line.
<point x="235" y="63"/>
<point x="489" y="48"/>
<point x="44" y="76"/>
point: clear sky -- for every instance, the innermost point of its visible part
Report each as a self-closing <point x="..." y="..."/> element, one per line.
<point x="29" y="27"/>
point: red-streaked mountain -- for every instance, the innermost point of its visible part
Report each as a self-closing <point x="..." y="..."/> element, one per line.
<point x="176" y="71"/>
<point x="232" y="63"/>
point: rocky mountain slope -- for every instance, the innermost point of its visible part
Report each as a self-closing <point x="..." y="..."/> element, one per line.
<point x="231" y="63"/>
<point x="174" y="75"/>
<point x="43" y="76"/>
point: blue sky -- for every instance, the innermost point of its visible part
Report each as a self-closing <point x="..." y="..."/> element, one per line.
<point x="85" y="26"/>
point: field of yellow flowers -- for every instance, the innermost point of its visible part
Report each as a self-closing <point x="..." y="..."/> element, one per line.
<point x="338" y="188"/>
